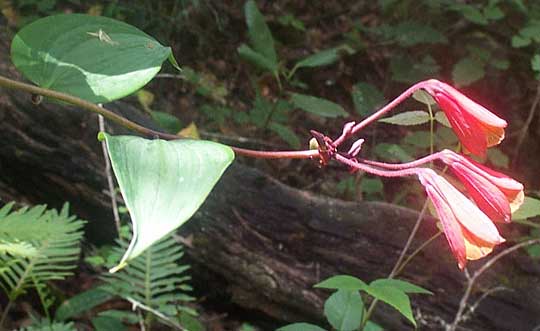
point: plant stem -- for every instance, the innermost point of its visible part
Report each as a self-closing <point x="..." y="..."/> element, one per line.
<point x="382" y="111"/>
<point x="5" y="314"/>
<point x="399" y="265"/>
<point x="12" y="84"/>
<point x="108" y="174"/>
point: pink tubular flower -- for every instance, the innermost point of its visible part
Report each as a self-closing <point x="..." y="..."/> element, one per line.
<point x="476" y="127"/>
<point x="495" y="194"/>
<point x="470" y="233"/>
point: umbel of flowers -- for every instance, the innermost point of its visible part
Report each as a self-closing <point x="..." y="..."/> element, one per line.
<point x="468" y="224"/>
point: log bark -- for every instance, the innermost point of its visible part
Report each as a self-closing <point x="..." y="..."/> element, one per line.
<point x="256" y="241"/>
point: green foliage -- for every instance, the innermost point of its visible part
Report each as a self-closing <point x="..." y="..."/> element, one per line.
<point x="82" y="302"/>
<point x="318" y="106"/>
<point x="391" y="291"/>
<point x="301" y="327"/>
<point x="155" y="279"/>
<point x="54" y="238"/>
<point x="467" y="71"/>
<point x="414" y="117"/>
<point x="529" y="208"/>
<point x="366" y="98"/>
<point x="409" y="33"/>
<point x="163" y="182"/>
<point x="262" y="53"/>
<point x="46" y="325"/>
<point x="344" y="310"/>
<point x="95" y="58"/>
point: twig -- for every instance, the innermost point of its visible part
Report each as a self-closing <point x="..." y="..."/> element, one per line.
<point x="525" y="128"/>
<point x="108" y="174"/>
<point x="470" y="283"/>
<point x="397" y="265"/>
<point x="110" y="115"/>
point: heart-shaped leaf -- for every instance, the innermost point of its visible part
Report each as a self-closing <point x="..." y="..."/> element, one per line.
<point x="301" y="327"/>
<point x="94" y="58"/>
<point x="163" y="183"/>
<point x="393" y="296"/>
<point x="342" y="282"/>
<point x="344" y="310"/>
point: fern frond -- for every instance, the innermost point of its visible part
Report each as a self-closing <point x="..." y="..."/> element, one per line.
<point x="155" y="279"/>
<point x="41" y="245"/>
<point x="45" y="325"/>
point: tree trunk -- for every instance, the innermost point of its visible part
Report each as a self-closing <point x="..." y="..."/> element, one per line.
<point x="265" y="243"/>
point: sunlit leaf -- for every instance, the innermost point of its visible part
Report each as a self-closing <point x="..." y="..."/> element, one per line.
<point x="394" y="297"/>
<point x="423" y="97"/>
<point x="440" y="117"/>
<point x="163" y="182"/>
<point x="95" y="58"/>
<point x="301" y="327"/>
<point x="400" y="285"/>
<point x="342" y="282"/>
<point x="344" y="310"/>
<point x="529" y="208"/>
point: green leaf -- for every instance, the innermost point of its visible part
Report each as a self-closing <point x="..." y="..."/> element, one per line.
<point x="467" y="71"/>
<point x="342" y="282"/>
<point x="92" y="57"/>
<point x="400" y="285"/>
<point x="529" y="208"/>
<point x="372" y="186"/>
<point x="257" y="59"/>
<point x="301" y="327"/>
<point x="520" y="41"/>
<point x="167" y="121"/>
<point x="190" y="323"/>
<point x="535" y="63"/>
<point x="371" y="326"/>
<point x="106" y="323"/>
<point x="418" y="139"/>
<point x="394" y="297"/>
<point x="344" y="310"/>
<point x="285" y="133"/>
<point x="322" y="58"/>
<point x="163" y="183"/>
<point x="440" y="117"/>
<point x="414" y="117"/>
<point x="366" y="98"/>
<point x="259" y="33"/>
<point x="423" y="97"/>
<point x="81" y="303"/>
<point x="498" y="158"/>
<point x="392" y="152"/>
<point x="408" y="70"/>
<point x="318" y="106"/>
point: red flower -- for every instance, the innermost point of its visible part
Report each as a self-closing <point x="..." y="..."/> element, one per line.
<point x="470" y="233"/>
<point x="496" y="194"/>
<point x="476" y="127"/>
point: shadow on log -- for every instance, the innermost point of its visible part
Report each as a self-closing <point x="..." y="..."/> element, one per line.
<point x="267" y="243"/>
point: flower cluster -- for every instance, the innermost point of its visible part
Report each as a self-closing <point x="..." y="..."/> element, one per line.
<point x="468" y="226"/>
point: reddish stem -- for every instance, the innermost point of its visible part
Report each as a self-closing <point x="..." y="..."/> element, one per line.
<point x="380" y="112"/>
<point x="407" y="165"/>
<point x="375" y="171"/>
